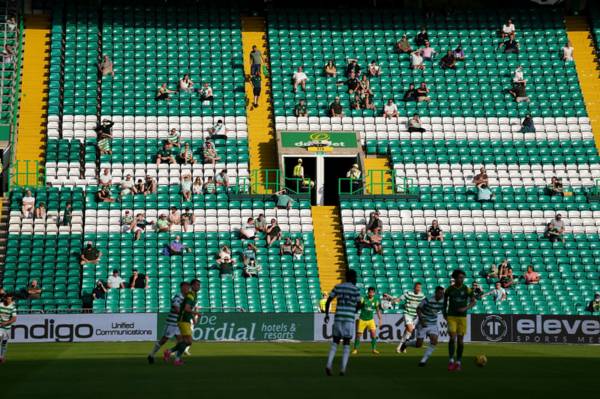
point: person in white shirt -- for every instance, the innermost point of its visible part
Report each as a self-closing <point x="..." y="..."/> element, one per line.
<point x="248" y="230"/>
<point x="218" y="131"/>
<point x="28" y="204"/>
<point x="186" y="84"/>
<point x="115" y="281"/>
<point x="374" y="69"/>
<point x="127" y="186"/>
<point x="568" y="52"/>
<point x="105" y="178"/>
<point x="416" y="60"/>
<point x="498" y="293"/>
<point x="507" y="29"/>
<point x="206" y="93"/>
<point x="299" y="79"/>
<point x="390" y="110"/>
<point x="518" y="76"/>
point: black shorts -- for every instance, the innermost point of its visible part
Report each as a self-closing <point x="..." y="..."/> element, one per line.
<point x="256" y="91"/>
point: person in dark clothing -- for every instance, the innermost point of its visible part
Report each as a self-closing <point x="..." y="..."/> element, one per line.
<point x="410" y="94"/>
<point x="352" y="67"/>
<point x="361" y="241"/>
<point x="421" y="37"/>
<point x="510" y="46"/>
<point x="138" y="280"/>
<point x="448" y="61"/>
<point x="527" y="125"/>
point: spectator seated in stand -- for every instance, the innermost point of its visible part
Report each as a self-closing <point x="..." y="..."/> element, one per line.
<point x="248" y="230"/>
<point x="33" y="290"/>
<point x="40" y="211"/>
<point x="99" y="291"/>
<point x="508" y="29"/>
<point x="481" y="178"/>
<point x="163" y="93"/>
<point x="206" y="93"/>
<point x="594" y="305"/>
<point x="273" y="232"/>
<point x="484" y="194"/>
<point x="299" y="78"/>
<point x="510" y="45"/>
<point x="459" y="53"/>
<point x="165" y="154"/>
<point x="411" y="93"/>
<point x="126" y="221"/>
<point x="187" y="219"/>
<point x="403" y="45"/>
<point x="423" y="93"/>
<point x="139" y="224"/>
<point x="492" y="275"/>
<point x="28" y="205"/>
<point x="351" y="82"/>
<point x="414" y="124"/>
<point x="105" y="179"/>
<point x="174" y="138"/>
<point x="416" y="60"/>
<point x="390" y="109"/>
<point x="555" y="229"/>
<point x="186" y="156"/>
<point x="151" y="185"/>
<point x="283" y="200"/>
<point x="421" y="37"/>
<point x="162" y="224"/>
<point x="138" y="280"/>
<point x="375" y="240"/>
<point x="374" y="69"/>
<point x="186" y="187"/>
<point x="217" y="131"/>
<point x="301" y="110"/>
<point x="448" y="61"/>
<point x="505" y="274"/>
<point x="361" y="241"/>
<point x="106" y="67"/>
<point x="127" y="187"/>
<point x="298" y="249"/>
<point x="286" y="247"/>
<point x="186" y="84"/>
<point x="221" y="179"/>
<point x="210" y="187"/>
<point x="210" y="154"/>
<point x="352" y="68"/>
<point x="567" y="52"/>
<point x="435" y="233"/>
<point x="498" y="293"/>
<point x="225" y="262"/>
<point x="104" y="195"/>
<point x="90" y="255"/>
<point x="115" y="281"/>
<point x="175" y="248"/>
<point x="531" y="276"/>
<point x="251" y="269"/>
<point x="374" y="221"/>
<point x="330" y="70"/>
<point x="527" y="125"/>
<point x="428" y="52"/>
<point x="555" y="187"/>
<point x="477" y="291"/>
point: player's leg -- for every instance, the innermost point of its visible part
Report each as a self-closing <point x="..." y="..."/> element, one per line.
<point x="359" y="331"/>
<point x="157" y="345"/>
<point x="332" y="350"/>
<point x="408" y="330"/>
<point x="461" y="330"/>
<point x="373" y="331"/>
<point x="345" y="354"/>
<point x="3" y="346"/>
<point x="433" y="340"/>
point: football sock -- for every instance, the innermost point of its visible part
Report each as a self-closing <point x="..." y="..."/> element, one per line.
<point x="451" y="349"/>
<point x="406" y="336"/>
<point x="356" y="343"/>
<point x="180" y="349"/>
<point x="3" y="348"/>
<point x="155" y="349"/>
<point x="428" y="353"/>
<point x="345" y="357"/>
<point x="332" y="350"/>
<point x="459" y="351"/>
<point x="373" y="343"/>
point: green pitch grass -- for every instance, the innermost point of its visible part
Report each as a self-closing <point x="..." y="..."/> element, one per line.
<point x="290" y="370"/>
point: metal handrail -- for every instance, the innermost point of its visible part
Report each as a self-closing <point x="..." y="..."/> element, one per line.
<point x="350" y="184"/>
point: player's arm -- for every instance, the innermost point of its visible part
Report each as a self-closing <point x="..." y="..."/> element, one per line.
<point x="9" y="321"/>
<point x="379" y="314"/>
<point x="445" y="307"/>
<point x="327" y="305"/>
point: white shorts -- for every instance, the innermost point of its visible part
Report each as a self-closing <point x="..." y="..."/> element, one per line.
<point x="171" y="331"/>
<point x="409" y="320"/>
<point x="4" y="335"/>
<point x="343" y="329"/>
<point x="426" y="331"/>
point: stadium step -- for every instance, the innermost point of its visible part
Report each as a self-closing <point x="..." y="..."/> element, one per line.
<point x="586" y="64"/>
<point x="379" y="182"/>
<point x="261" y="132"/>
<point x="34" y="100"/>
<point x="329" y="245"/>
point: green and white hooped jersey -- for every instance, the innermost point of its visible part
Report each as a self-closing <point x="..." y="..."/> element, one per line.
<point x="348" y="297"/>
<point x="430" y="308"/>
<point x="172" y="316"/>
<point x="7" y="313"/>
<point x="411" y="301"/>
